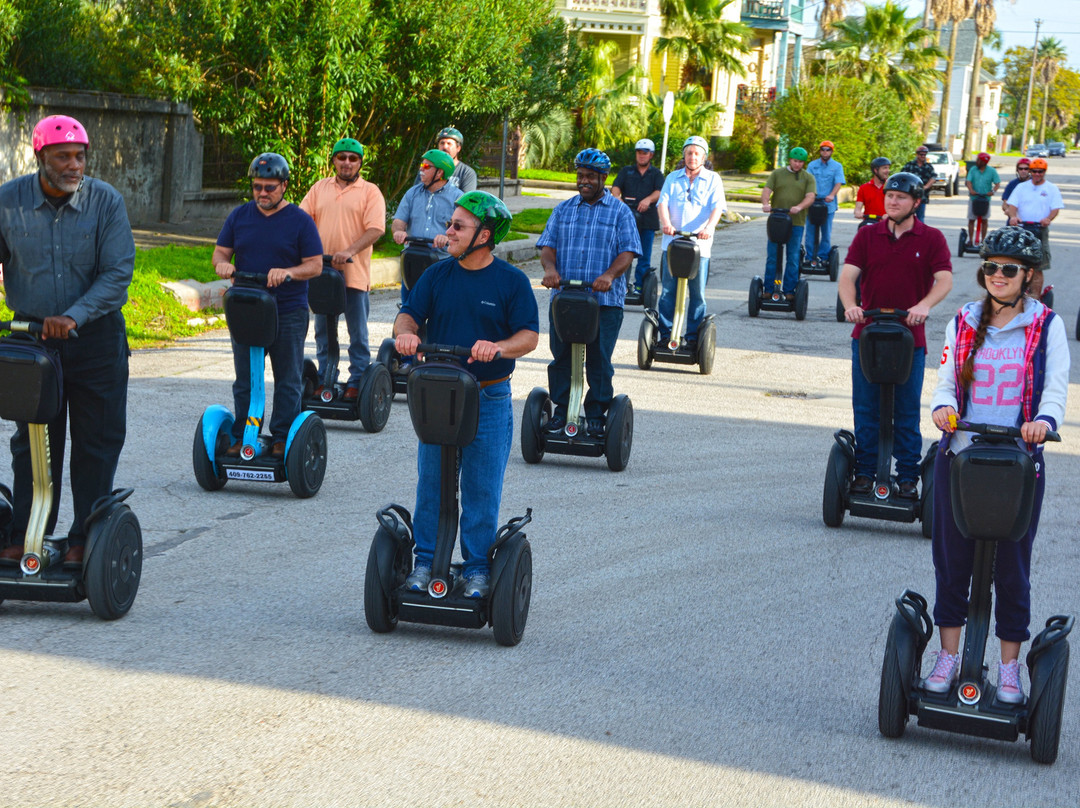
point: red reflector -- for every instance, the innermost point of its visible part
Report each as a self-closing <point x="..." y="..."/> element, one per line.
<point x="438" y="587"/>
<point x="31" y="563"/>
<point x="970" y="692"/>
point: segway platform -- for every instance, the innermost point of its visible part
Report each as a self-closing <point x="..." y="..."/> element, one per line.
<point x="980" y="206"/>
<point x="818" y="214"/>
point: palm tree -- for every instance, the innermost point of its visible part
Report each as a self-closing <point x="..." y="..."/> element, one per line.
<point x="985" y="17"/>
<point x="886" y="47"/>
<point x="831" y="11"/>
<point x="1048" y="61"/>
<point x="954" y="12"/>
<point x="695" y="31"/>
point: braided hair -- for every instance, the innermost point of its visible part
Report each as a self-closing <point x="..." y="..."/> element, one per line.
<point x="967" y="372"/>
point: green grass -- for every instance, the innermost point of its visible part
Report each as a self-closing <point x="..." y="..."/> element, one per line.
<point x="532" y="220"/>
<point x="554" y="176"/>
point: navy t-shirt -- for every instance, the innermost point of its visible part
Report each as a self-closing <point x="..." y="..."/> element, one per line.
<point x="461" y="306"/>
<point x="261" y="243"/>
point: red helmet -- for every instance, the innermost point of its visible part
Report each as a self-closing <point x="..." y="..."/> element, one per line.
<point x="983" y="157"/>
<point x="58" y="129"/>
<point x="1023" y="162"/>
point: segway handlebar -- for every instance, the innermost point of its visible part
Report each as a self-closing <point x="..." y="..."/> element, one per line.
<point x="418" y="240"/>
<point x="447" y="351"/>
<point x="998" y="431"/>
<point x="328" y="258"/>
<point x="886" y="314"/>
<point x="685" y="234"/>
<point x="28" y="327"/>
<point x="254" y="278"/>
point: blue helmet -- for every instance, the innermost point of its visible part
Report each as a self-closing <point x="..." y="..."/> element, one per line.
<point x="594" y="159"/>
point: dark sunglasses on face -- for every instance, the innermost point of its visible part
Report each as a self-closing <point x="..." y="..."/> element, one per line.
<point x="459" y="226"/>
<point x="990" y="268"/>
<point x="347" y="158"/>
<point x="825" y="148"/>
<point x="269" y="188"/>
<point x="1037" y="170"/>
<point x="426" y="166"/>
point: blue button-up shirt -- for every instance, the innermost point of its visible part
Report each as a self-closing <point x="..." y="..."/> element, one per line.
<point x="587" y="238"/>
<point x="427" y="214"/>
<point x="826" y="174"/>
<point x="76" y="261"/>
<point x="690" y="204"/>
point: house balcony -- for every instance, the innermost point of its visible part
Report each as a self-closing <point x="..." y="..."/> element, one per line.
<point x="747" y="96"/>
<point x="773" y="15"/>
<point x="625" y="6"/>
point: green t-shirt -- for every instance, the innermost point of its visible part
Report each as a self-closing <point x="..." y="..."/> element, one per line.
<point x="983" y="182"/>
<point x="789" y="189"/>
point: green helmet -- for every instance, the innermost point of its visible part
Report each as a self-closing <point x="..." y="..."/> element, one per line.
<point x="348" y="144"/>
<point x="798" y="153"/>
<point x="442" y="160"/>
<point x="490" y="210"/>
<point x="451" y="133"/>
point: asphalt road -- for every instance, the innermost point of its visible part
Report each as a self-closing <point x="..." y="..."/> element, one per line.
<point x="697" y="636"/>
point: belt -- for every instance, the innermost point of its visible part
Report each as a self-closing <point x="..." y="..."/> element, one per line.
<point x="490" y="382"/>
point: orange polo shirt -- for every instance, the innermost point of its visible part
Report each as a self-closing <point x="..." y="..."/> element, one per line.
<point x="342" y="215"/>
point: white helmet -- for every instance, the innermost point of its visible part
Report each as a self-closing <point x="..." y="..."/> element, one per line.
<point x="645" y="145"/>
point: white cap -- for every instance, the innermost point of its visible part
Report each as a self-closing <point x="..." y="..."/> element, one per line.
<point x="645" y="145"/>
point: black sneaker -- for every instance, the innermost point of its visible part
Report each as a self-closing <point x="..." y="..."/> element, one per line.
<point x="862" y="484"/>
<point x="908" y="489"/>
<point x="594" y="428"/>
<point x="556" y="424"/>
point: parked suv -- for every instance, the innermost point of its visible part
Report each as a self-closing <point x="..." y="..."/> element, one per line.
<point x="947" y="170"/>
<point x="1055" y="148"/>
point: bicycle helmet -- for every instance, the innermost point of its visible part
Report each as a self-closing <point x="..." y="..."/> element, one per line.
<point x="982" y="157"/>
<point x="878" y="162"/>
<point x="798" y="153"/>
<point x="58" y="129"/>
<point x="269" y="166"/>
<point x="1023" y="162"/>
<point x="593" y="159"/>
<point x="441" y="160"/>
<point x="348" y="144"/>
<point x="906" y="183"/>
<point x="1038" y="162"/>
<point x="826" y="144"/>
<point x="451" y="133"/>
<point x="645" y="145"/>
<point x="696" y="140"/>
<point x="1013" y="242"/>
<point x="493" y="215"/>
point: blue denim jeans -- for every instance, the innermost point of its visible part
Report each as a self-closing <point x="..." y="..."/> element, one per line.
<point x="791" y="262"/>
<point x="695" y="305"/>
<point x="287" y="361"/>
<point x="481" y="467"/>
<point x="644" y="263"/>
<point x="598" y="367"/>
<point x="357" y="306"/>
<point x="824" y="243"/>
<point x="907" y="402"/>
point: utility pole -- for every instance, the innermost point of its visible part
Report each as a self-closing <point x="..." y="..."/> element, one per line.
<point x="1031" y="86"/>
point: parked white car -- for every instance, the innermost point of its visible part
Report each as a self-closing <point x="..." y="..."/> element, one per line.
<point x="947" y="170"/>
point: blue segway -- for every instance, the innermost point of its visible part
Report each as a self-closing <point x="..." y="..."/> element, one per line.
<point x="251" y="314"/>
<point x="31" y="391"/>
<point x="444" y="402"/>
<point x="992" y="464"/>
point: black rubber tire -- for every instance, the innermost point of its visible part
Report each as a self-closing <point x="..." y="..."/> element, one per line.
<point x="1048" y="299"/>
<point x="388" y="358"/>
<point x="205" y="476"/>
<point x="837" y="471"/>
<point x="1078" y="325"/>
<point x="305" y="464"/>
<point x="619" y="433"/>
<point x="956" y="184"/>
<point x="802" y="299"/>
<point x="834" y="264"/>
<point x="961" y="244"/>
<point x="753" y="302"/>
<point x="895" y="684"/>
<point x="839" y="310"/>
<point x="113" y="568"/>
<point x="650" y="290"/>
<point x="646" y="344"/>
<point x="376" y="396"/>
<point x="1044" y="721"/>
<point x="310" y="376"/>
<point x="379" y="610"/>
<point x="513" y="591"/>
<point x="706" y="348"/>
<point x="534" y="418"/>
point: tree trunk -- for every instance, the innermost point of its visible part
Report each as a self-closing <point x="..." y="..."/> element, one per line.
<point x="973" y="114"/>
<point x="947" y="86"/>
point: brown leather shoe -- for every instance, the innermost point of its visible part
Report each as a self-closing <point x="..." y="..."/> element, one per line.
<point x="75" y="554"/>
<point x="233" y="451"/>
<point x="862" y="484"/>
<point x="908" y="489"/>
<point x="278" y="449"/>
<point x="351" y="393"/>
<point x="13" y="552"/>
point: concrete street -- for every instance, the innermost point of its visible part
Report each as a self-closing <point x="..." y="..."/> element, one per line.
<point x="697" y="636"/>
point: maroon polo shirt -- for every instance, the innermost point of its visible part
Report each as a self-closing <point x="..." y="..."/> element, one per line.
<point x="896" y="273"/>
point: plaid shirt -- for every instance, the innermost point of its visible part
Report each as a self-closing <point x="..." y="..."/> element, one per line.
<point x="587" y="238"/>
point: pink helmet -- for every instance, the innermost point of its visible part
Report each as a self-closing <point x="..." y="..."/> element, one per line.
<point x="982" y="157"/>
<point x="58" y="129"/>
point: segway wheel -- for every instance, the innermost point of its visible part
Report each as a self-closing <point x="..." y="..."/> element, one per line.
<point x="650" y="290"/>
<point x="753" y="301"/>
<point x="205" y="476"/>
<point x="1048" y="298"/>
<point x="310" y="376"/>
<point x="1044" y="721"/>
<point x="834" y="264"/>
<point x="962" y="244"/>
<point x="512" y="593"/>
<point x="646" y="344"/>
<point x="619" y="434"/>
<point x="1078" y="325"/>
<point x="839" y="310"/>
<point x="376" y="395"/>
<point x="926" y="504"/>
<point x="837" y="472"/>
<point x="533" y="420"/>
<point x="706" y="348"/>
<point x="386" y="562"/>
<point x="802" y="299"/>
<point x="897" y="676"/>
<point x="305" y="465"/>
<point x="113" y="567"/>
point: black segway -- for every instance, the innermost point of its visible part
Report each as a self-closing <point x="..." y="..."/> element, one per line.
<point x="867" y="221"/>
<point x="31" y="391"/>
<point x="992" y="464"/>
<point x="576" y="319"/>
<point x="444" y="405"/>
<point x="251" y="314"/>
<point x="650" y="285"/>
<point x="417" y="255"/>
<point x="778" y="227"/>
<point x="684" y="263"/>
<point x="323" y="395"/>
<point x="818" y="214"/>
<point x="980" y="206"/>
<point x="886" y="351"/>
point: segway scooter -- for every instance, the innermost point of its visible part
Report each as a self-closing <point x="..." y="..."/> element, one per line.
<point x="980" y="206"/>
<point x="31" y="391"/>
<point x="1046" y="297"/>
<point x="417" y="255"/>
<point x="251" y="314"/>
<point x="444" y="405"/>
<point x="323" y="395"/>
<point x="778" y="228"/>
<point x="684" y="263"/>
<point x="992" y="464"/>
<point x="886" y="351"/>
<point x="818" y="214"/>
<point x="576" y="319"/>
<point x="867" y="221"/>
<point x="650" y="284"/>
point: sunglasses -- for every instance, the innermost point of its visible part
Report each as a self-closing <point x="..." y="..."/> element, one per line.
<point x="1037" y="170"/>
<point x="824" y="148"/>
<point x="922" y="152"/>
<point x="347" y="158"/>
<point x="426" y="166"/>
<point x="259" y="187"/>
<point x="457" y="227"/>
<point x="990" y="268"/>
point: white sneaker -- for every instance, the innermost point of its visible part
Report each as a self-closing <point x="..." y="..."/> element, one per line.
<point x="1009" y="689"/>
<point x="946" y="670"/>
<point x="418" y="579"/>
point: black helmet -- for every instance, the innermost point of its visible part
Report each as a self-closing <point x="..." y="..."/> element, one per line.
<point x="269" y="166"/>
<point x="906" y="183"/>
<point x="1013" y="242"/>
<point x="878" y="162"/>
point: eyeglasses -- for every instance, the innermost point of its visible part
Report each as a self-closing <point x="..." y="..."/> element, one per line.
<point x="1037" y="170"/>
<point x="426" y="166"/>
<point x="457" y="227"/>
<point x="824" y="148"/>
<point x="259" y="187"/>
<point x="347" y="158"/>
<point x="990" y="268"/>
<point x="1023" y="168"/>
<point x="922" y="152"/>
